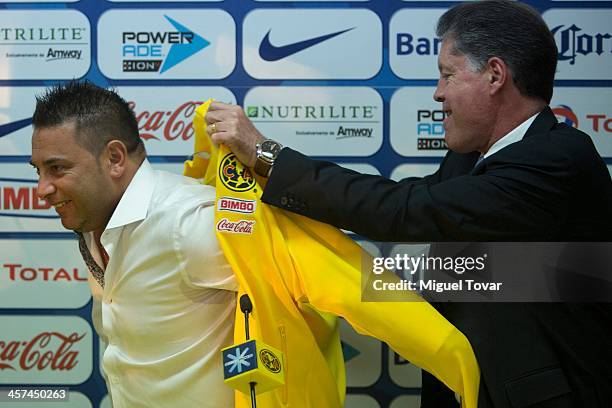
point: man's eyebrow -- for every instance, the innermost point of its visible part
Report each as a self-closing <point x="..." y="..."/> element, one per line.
<point x="47" y="162"/>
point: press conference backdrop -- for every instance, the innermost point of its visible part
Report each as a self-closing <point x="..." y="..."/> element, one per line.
<point x="359" y="93"/>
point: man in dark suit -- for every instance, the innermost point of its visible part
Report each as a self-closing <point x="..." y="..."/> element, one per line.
<point x="512" y="174"/>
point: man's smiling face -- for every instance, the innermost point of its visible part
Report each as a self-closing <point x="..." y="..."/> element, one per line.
<point x="465" y="98"/>
<point x="71" y="179"/>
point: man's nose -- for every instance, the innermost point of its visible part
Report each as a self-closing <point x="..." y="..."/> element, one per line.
<point x="439" y="92"/>
<point x="44" y="188"/>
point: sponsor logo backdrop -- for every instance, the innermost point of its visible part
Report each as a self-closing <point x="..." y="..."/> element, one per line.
<point x="346" y="81"/>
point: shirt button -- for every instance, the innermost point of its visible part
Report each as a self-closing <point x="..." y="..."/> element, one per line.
<point x="115" y="380"/>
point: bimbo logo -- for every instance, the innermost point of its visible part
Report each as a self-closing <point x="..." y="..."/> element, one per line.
<point x="572" y="42"/>
<point x="236" y="205"/>
<point x="19" y="198"/>
<point x="46" y="350"/>
<point x="236" y="227"/>
<point x="169" y="125"/>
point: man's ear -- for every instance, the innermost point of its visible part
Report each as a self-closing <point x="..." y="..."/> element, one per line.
<point x="117" y="157"/>
<point x="498" y="74"/>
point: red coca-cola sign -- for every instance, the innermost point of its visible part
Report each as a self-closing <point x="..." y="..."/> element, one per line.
<point x="45" y="350"/>
<point x="51" y="350"/>
<point x="236" y="227"/>
<point x="169" y="125"/>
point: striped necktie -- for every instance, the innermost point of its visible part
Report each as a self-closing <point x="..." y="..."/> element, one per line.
<point x="94" y="268"/>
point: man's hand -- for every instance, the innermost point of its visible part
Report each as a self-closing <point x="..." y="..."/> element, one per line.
<point x="228" y="124"/>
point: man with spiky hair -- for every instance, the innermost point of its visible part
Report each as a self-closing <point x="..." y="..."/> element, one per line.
<point x="513" y="173"/>
<point x="163" y="293"/>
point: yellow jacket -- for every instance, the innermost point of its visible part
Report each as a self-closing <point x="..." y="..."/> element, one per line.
<point x="300" y="275"/>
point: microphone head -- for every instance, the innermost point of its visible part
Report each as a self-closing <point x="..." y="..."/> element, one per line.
<point x="245" y="304"/>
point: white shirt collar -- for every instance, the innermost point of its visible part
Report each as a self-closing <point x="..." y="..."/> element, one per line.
<point x="515" y="135"/>
<point x="135" y="200"/>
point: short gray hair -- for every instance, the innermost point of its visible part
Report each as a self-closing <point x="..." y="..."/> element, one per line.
<point x="510" y="30"/>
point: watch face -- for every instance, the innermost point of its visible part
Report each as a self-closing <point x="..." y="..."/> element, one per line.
<point x="270" y="148"/>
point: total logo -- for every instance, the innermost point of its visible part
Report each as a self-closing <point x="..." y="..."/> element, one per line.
<point x="143" y="51"/>
<point x="19" y="272"/>
<point x="588" y="109"/>
<point x="598" y="122"/>
<point x="566" y="115"/>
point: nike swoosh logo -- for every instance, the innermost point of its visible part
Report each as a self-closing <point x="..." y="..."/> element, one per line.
<point x="270" y="52"/>
<point x="9" y="128"/>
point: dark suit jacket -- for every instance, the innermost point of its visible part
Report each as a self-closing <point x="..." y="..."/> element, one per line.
<point x="550" y="186"/>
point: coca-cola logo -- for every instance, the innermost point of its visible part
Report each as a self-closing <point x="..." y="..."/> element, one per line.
<point x="236" y="227"/>
<point x="47" y="350"/>
<point x="170" y="125"/>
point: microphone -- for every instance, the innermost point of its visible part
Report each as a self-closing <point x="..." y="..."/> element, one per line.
<point x="252" y="363"/>
<point x="246" y="307"/>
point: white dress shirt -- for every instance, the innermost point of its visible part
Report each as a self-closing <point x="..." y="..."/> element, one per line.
<point x="167" y="307"/>
<point x="515" y="135"/>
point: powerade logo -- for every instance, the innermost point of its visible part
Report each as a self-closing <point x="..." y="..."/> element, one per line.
<point x="565" y="115"/>
<point x="572" y="42"/>
<point x="430" y="123"/>
<point x="143" y="51"/>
